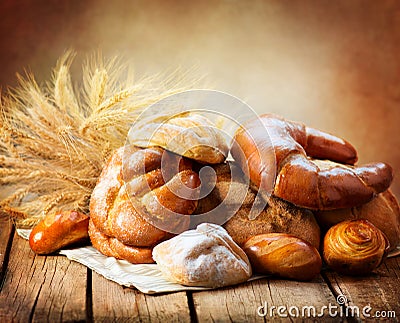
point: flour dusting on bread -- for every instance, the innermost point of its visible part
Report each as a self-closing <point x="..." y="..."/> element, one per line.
<point x="205" y="257"/>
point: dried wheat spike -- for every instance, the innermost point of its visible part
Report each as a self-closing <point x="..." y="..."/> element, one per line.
<point x="55" y="138"/>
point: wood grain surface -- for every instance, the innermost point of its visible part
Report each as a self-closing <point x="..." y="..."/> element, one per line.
<point x="6" y="235"/>
<point x="379" y="291"/>
<point x="254" y="301"/>
<point x="42" y="288"/>
<point x="55" y="289"/>
<point x="110" y="300"/>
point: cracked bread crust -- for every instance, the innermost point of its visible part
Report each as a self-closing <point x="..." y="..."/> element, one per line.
<point x="278" y="216"/>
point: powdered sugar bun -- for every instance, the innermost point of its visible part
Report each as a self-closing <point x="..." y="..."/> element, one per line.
<point x="205" y="257"/>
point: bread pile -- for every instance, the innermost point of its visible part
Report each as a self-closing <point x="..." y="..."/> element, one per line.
<point x="149" y="202"/>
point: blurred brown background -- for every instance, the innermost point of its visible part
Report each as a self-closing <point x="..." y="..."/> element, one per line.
<point x="334" y="65"/>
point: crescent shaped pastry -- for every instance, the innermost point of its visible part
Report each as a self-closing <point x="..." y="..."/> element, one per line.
<point x="327" y="182"/>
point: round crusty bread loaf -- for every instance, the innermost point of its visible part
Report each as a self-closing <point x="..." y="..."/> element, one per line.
<point x="278" y="216"/>
<point x="190" y="135"/>
<point x="383" y="212"/>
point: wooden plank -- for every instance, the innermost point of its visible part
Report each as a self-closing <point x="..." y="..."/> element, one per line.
<point x="114" y="303"/>
<point x="111" y="302"/>
<point x="41" y="288"/>
<point x="6" y="235"/>
<point x="164" y="308"/>
<point x="242" y="303"/>
<point x="380" y="291"/>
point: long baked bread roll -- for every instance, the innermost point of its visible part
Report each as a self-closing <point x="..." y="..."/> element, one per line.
<point x="58" y="230"/>
<point x="277" y="156"/>
<point x="283" y="255"/>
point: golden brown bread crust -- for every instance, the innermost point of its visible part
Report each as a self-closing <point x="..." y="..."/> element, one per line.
<point x="354" y="247"/>
<point x="190" y="135"/>
<point x="277" y="216"/>
<point x="111" y="209"/>
<point x="299" y="179"/>
<point x="132" y="191"/>
<point x="112" y="247"/>
<point x="283" y="255"/>
<point x="59" y="230"/>
<point x="383" y="211"/>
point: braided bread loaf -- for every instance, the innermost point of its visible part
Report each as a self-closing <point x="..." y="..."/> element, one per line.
<point x="133" y="195"/>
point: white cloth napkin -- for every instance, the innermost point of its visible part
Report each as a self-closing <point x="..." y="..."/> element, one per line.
<point x="146" y="278"/>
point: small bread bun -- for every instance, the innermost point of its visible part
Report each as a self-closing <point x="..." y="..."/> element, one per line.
<point x="354" y="247"/>
<point x="383" y="212"/>
<point x="283" y="255"/>
<point x="205" y="257"/>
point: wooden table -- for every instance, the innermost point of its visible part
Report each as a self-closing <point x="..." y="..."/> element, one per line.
<point x="53" y="288"/>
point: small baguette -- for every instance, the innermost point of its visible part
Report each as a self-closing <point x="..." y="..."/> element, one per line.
<point x="283" y="255"/>
<point x="59" y="230"/>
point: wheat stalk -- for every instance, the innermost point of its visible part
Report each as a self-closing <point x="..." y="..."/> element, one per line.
<point x="55" y="139"/>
